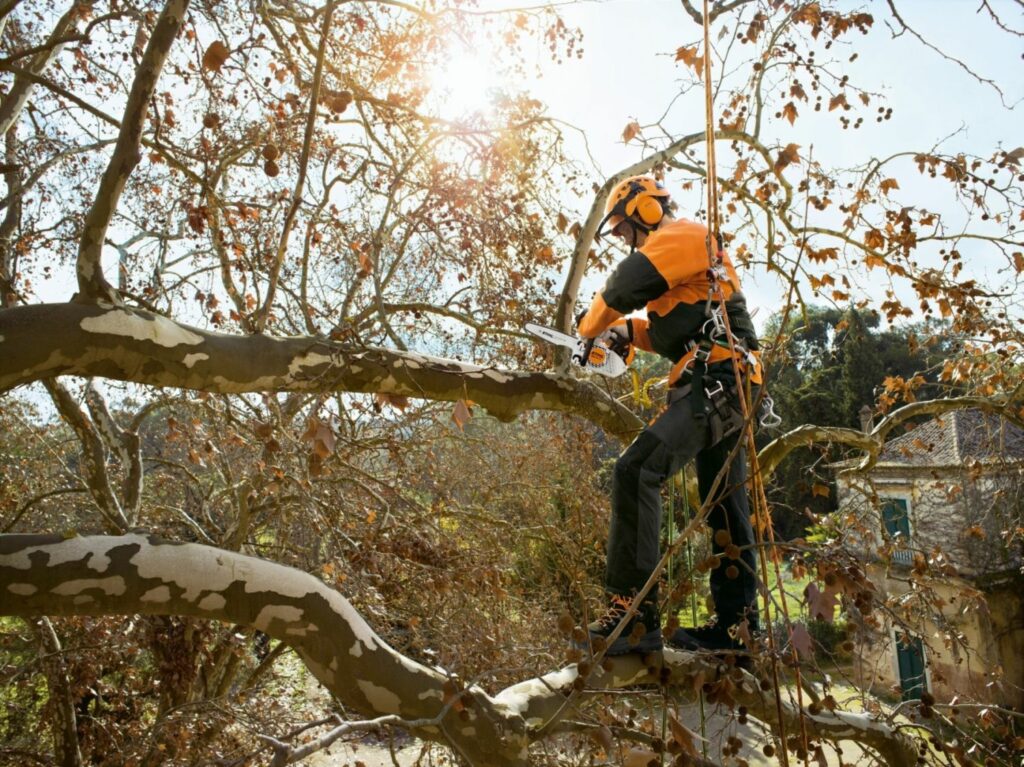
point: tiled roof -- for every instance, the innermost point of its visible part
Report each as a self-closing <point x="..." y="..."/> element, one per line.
<point x="955" y="438"/>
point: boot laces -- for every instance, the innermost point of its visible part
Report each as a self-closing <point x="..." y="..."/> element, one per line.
<point x="616" y="610"/>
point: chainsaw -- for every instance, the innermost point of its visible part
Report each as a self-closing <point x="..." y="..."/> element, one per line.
<point x="593" y="354"/>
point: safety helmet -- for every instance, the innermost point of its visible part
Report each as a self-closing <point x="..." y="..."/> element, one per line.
<point x="641" y="199"/>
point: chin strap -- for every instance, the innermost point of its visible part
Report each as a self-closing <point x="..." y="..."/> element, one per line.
<point x="636" y="226"/>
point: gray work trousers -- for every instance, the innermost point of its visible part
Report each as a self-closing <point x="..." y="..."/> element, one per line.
<point x="634" y="541"/>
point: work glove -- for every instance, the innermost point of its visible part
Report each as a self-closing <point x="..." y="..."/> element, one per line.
<point x="617" y="338"/>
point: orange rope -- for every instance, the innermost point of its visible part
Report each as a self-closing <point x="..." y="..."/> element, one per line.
<point x="762" y="514"/>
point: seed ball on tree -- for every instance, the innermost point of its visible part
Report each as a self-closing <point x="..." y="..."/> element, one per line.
<point x="271" y="152"/>
<point x="339" y="101"/>
<point x="211" y="120"/>
<point x="270" y="168"/>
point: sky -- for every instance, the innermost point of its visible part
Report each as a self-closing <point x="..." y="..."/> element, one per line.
<point x="628" y="72"/>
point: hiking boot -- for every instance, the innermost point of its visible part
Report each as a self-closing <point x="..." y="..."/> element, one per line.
<point x="711" y="637"/>
<point x="641" y="634"/>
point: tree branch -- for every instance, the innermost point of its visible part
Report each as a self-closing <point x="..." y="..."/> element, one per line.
<point x="125" y="575"/>
<point x="772" y="454"/>
<point x="46" y="340"/>
<point x="92" y="285"/>
<point x="94" y="458"/>
<point x="16" y="98"/>
<point x="300" y="182"/>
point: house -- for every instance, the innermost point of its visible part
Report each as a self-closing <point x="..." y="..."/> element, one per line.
<point x="939" y="524"/>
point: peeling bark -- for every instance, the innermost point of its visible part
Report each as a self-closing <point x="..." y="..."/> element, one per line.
<point x="126" y="444"/>
<point x="123" y="575"/>
<point x="47" y="340"/>
<point x="94" y="457"/>
<point x="540" y="700"/>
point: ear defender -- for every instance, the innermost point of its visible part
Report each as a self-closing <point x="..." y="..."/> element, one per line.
<point x="649" y="209"/>
<point x="637" y="199"/>
<point x="642" y="204"/>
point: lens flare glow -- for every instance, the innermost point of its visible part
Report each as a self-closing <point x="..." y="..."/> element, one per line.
<point x="464" y="85"/>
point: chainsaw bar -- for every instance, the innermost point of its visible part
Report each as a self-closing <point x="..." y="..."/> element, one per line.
<point x="600" y="359"/>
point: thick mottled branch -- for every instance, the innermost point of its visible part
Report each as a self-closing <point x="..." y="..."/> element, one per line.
<point x="91" y="283"/>
<point x="126" y="575"/>
<point x="772" y="454"/>
<point x="42" y="341"/>
<point x="538" y="700"/>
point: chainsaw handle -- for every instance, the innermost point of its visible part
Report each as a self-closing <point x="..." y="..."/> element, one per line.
<point x="582" y="353"/>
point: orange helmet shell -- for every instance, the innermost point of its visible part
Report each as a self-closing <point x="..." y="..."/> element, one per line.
<point x="638" y="198"/>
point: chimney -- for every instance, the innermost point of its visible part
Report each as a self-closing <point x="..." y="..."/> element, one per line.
<point x="867" y="419"/>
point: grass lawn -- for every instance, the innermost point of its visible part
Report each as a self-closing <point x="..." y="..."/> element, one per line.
<point x="792" y="590"/>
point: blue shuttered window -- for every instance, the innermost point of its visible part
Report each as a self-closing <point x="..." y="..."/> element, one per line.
<point x="896" y="523"/>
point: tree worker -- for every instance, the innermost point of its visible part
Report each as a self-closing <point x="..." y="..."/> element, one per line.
<point x="668" y="270"/>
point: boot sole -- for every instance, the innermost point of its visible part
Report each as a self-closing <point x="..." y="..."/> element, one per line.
<point x="649" y="642"/>
<point x="708" y="650"/>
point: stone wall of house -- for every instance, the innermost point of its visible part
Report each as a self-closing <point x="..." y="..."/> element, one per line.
<point x="972" y="624"/>
<point x="1007" y="616"/>
<point x="975" y="653"/>
<point x="962" y="516"/>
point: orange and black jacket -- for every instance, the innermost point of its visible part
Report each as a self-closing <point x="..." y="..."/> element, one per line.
<point x="669" y="275"/>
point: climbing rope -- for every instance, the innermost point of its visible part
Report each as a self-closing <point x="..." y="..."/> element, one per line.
<point x="762" y="513"/>
<point x="693" y="610"/>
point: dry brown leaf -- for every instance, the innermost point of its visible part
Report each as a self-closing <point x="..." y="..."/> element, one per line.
<point x="630" y="132"/>
<point x="462" y="413"/>
<point x="640" y="757"/>
<point x="838" y="101"/>
<point x="787" y="157"/>
<point x="398" y="401"/>
<point x="215" y="56"/>
<point x="789" y="112"/>
<point x="888" y="184"/>
<point x="802" y="641"/>
<point x="1018" y="261"/>
<point x="874" y="239"/>
<point x="682" y="735"/>
<point x="821" y="605"/>
<point x="324" y="441"/>
<point x="691" y="58"/>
